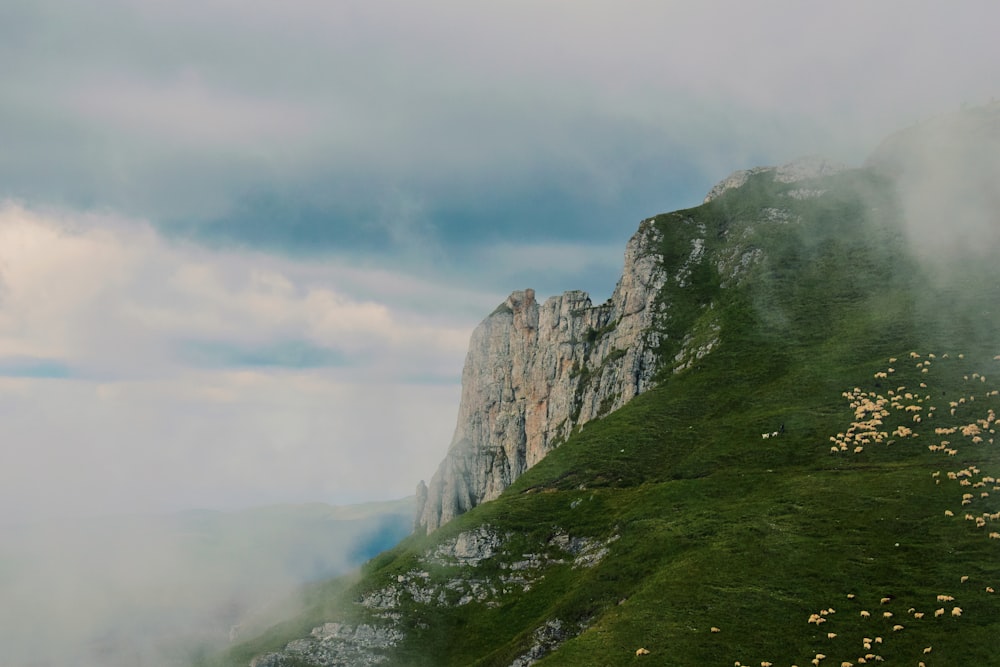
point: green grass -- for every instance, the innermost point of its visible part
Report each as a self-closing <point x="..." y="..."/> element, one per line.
<point x="712" y="525"/>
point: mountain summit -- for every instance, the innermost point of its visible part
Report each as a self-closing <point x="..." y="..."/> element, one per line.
<point x="775" y="444"/>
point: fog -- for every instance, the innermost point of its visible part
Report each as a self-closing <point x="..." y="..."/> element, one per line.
<point x="947" y="175"/>
<point x="243" y="246"/>
<point x="128" y="591"/>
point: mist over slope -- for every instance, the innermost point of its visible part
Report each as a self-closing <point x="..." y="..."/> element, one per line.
<point x="818" y="485"/>
<point x="158" y="590"/>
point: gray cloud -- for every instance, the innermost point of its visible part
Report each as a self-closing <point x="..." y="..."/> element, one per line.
<point x="187" y="112"/>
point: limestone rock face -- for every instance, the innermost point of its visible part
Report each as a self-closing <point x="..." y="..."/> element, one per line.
<point x="535" y="371"/>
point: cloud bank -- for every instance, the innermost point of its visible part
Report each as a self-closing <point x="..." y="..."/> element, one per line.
<point x="141" y="374"/>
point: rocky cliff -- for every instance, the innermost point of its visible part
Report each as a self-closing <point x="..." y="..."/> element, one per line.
<point x="534" y="372"/>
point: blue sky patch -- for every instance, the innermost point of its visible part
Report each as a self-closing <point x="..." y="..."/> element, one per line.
<point x="34" y="367"/>
<point x="281" y="354"/>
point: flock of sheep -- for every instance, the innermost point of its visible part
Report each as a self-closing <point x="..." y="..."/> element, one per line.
<point x="970" y="422"/>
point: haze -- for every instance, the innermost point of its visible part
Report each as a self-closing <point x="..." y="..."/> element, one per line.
<point x="243" y="245"/>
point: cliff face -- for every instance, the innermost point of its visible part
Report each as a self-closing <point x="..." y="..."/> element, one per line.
<point x="535" y="371"/>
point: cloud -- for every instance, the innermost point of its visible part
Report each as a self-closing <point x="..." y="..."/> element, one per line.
<point x="137" y="372"/>
<point x="393" y="126"/>
<point x="161" y="589"/>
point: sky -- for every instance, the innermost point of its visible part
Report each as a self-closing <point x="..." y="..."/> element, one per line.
<point x="243" y="244"/>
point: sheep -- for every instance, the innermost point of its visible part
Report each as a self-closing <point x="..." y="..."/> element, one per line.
<point x="956" y="611"/>
<point x="964" y="578"/>
<point x="945" y="598"/>
<point x="927" y="650"/>
<point x="642" y="651"/>
<point x="918" y="614"/>
<point x="938" y="613"/>
<point x="865" y="614"/>
<point x="989" y="589"/>
<point x="715" y="629"/>
<point x="885" y="600"/>
<point x="897" y="628"/>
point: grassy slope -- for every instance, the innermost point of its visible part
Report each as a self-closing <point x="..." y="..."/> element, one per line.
<point x="720" y="527"/>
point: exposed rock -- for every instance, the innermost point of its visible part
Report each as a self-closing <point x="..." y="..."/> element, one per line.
<point x="802" y="169"/>
<point x="336" y="645"/>
<point x="468" y="548"/>
<point x="535" y="372"/>
<point x="548" y="637"/>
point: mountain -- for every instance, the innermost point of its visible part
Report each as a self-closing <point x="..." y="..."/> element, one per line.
<point x="788" y="458"/>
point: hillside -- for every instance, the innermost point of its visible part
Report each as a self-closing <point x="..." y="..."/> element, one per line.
<point x="812" y="479"/>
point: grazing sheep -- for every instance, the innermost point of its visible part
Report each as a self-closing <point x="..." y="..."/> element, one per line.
<point x="642" y="651"/>
<point x="956" y="611"/>
<point x="938" y="613"/>
<point x="715" y="629"/>
<point x="918" y="614"/>
<point x="865" y="614"/>
<point x="887" y="614"/>
<point x="897" y="628"/>
<point x="885" y="600"/>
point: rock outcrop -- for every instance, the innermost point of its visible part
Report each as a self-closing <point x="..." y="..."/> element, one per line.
<point x="534" y="372"/>
<point x="802" y="169"/>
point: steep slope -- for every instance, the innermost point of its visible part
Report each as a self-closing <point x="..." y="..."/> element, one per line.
<point x="812" y="466"/>
<point x="535" y="373"/>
